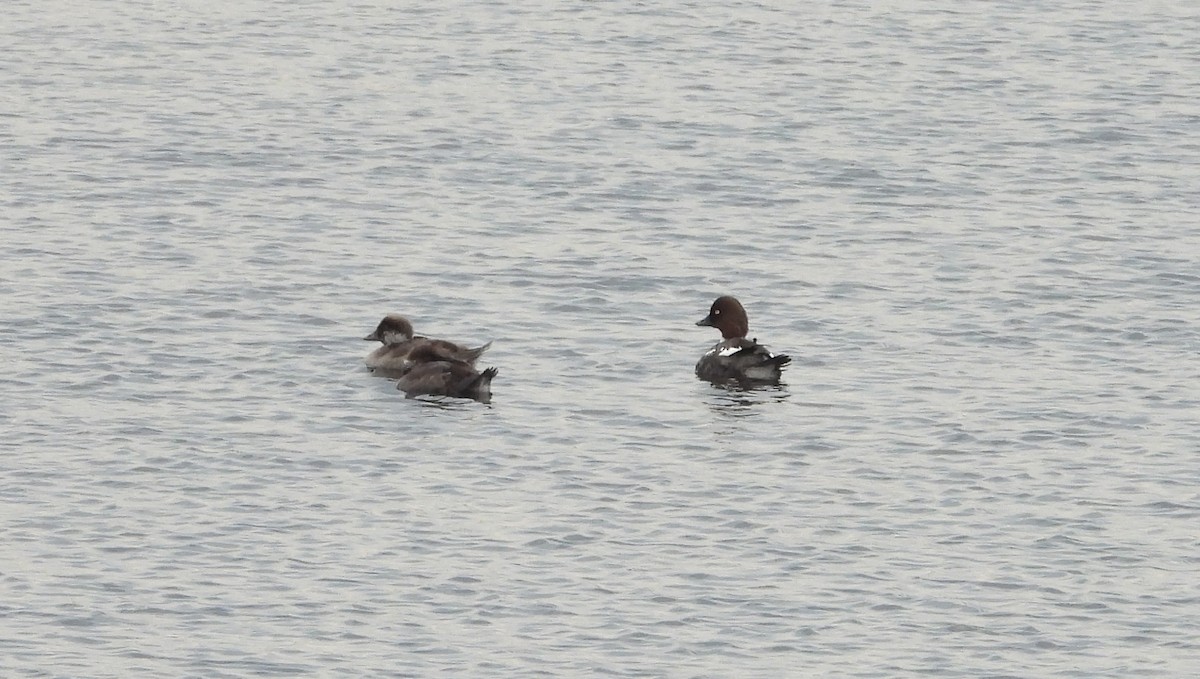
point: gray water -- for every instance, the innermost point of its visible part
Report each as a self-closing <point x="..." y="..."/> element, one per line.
<point x="973" y="225"/>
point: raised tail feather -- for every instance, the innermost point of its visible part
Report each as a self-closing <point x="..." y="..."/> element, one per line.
<point x="472" y="355"/>
<point x="484" y="381"/>
<point x="478" y="386"/>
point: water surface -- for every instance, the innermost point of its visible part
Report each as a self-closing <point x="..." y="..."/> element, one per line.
<point x="972" y="225"/>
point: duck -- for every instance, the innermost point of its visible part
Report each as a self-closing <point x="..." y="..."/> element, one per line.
<point x="432" y="371"/>
<point x="396" y="333"/>
<point x="735" y="358"/>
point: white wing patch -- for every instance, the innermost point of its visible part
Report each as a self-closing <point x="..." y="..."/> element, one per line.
<point x="729" y="351"/>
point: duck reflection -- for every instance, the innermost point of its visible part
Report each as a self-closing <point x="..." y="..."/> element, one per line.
<point x="735" y="401"/>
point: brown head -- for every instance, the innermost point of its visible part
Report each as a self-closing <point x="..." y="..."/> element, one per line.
<point x="393" y="329"/>
<point x="727" y="315"/>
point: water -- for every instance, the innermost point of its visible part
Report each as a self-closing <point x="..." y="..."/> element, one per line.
<point x="973" y="226"/>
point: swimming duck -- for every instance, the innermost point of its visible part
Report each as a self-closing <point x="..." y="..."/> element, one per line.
<point x="398" y="339"/>
<point x="735" y="358"/>
<point x="431" y="371"/>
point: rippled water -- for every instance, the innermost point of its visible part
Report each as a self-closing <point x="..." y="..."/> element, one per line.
<point x="973" y="226"/>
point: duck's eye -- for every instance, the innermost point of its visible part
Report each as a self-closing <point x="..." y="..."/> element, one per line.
<point x="716" y="312"/>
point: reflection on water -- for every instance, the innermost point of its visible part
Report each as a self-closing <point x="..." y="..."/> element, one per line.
<point x="735" y="401"/>
<point x="450" y="404"/>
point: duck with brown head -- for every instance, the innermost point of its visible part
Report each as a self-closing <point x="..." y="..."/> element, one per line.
<point x="396" y="334"/>
<point x="736" y="359"/>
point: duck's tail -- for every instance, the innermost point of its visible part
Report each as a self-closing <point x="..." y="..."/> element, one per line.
<point x="472" y="355"/>
<point x="778" y="360"/>
<point x="770" y="369"/>
<point x="479" y="387"/>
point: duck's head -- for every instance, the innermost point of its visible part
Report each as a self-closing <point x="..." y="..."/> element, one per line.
<point x="727" y="315"/>
<point x="393" y="329"/>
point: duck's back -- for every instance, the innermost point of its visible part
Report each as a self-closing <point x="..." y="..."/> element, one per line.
<point x="447" y="378"/>
<point x="741" y="360"/>
<point x="394" y="357"/>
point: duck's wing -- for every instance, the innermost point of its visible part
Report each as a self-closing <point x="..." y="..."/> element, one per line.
<point x="450" y="351"/>
<point x="426" y="378"/>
